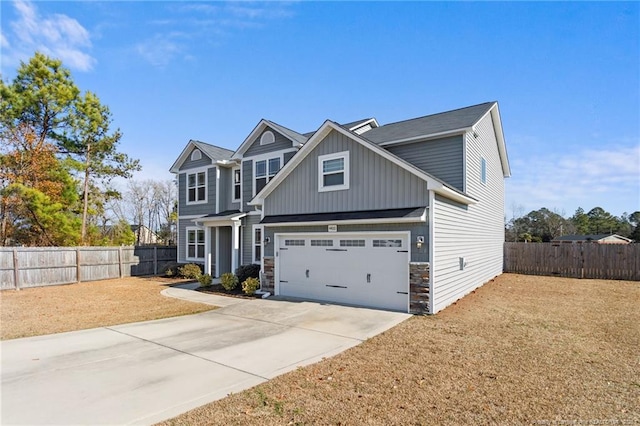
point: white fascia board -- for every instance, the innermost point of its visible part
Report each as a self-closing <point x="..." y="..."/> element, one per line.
<point x="427" y="136"/>
<point x="175" y="168"/>
<point x="497" y="129"/>
<point x="364" y="123"/>
<point x="219" y="221"/>
<point x="191" y="216"/>
<point x="263" y="124"/>
<point x="454" y="195"/>
<point x="228" y="163"/>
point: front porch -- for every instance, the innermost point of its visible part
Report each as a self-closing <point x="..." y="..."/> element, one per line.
<point x="222" y="241"/>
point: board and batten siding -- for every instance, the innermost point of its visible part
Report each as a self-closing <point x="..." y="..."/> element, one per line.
<point x="442" y="158"/>
<point x="247" y="238"/>
<point x="474" y="233"/>
<point x="374" y="183"/>
<point x="281" y="142"/>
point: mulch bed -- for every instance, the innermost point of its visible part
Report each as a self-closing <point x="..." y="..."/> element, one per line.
<point x="236" y="292"/>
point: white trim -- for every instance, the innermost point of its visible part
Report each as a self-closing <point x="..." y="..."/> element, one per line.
<point x="263" y="140"/>
<point x="207" y="250"/>
<point x="260" y="127"/>
<point x="432" y="200"/>
<point x="217" y="252"/>
<point x="266" y="158"/>
<point x="175" y="168"/>
<point x="220" y="220"/>
<point x="193" y="154"/>
<point x="464" y="161"/>
<point x="233" y="184"/>
<point x="345" y="171"/>
<point x="483" y="171"/>
<point x="217" y="190"/>
<point x="254" y="244"/>
<point x="364" y="123"/>
<point x="421" y="138"/>
<point x="191" y="216"/>
<point x="197" y="171"/>
<point x="186" y="245"/>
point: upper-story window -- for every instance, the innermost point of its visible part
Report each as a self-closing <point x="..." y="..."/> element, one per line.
<point x="333" y="171"/>
<point x="237" y="184"/>
<point x="264" y="171"/>
<point x="267" y="138"/>
<point x="196" y="187"/>
<point x="483" y="170"/>
<point x="196" y="155"/>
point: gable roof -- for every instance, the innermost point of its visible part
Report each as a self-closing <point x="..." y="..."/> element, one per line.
<point x="295" y="137"/>
<point x="433" y="183"/>
<point x="435" y="124"/>
<point x="215" y="153"/>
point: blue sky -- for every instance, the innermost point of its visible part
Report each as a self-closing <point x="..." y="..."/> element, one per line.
<point x="566" y="75"/>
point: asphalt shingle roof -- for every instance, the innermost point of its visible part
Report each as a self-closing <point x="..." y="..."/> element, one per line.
<point x="212" y="151"/>
<point x="429" y="125"/>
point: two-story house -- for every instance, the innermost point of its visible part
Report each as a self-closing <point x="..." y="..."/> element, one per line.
<point x="406" y="216"/>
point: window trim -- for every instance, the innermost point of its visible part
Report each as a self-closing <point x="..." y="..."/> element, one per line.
<point x="234" y="184"/>
<point x="203" y="244"/>
<point x="345" y="171"/>
<point x="266" y="158"/>
<point x="255" y="243"/>
<point x="206" y="185"/>
<point x="483" y="171"/>
<point x="263" y="140"/>
<point x="193" y="155"/>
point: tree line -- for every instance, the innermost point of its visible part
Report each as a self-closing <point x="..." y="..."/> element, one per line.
<point x="58" y="156"/>
<point x="544" y="225"/>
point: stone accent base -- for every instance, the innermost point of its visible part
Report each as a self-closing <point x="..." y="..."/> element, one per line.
<point x="419" y="288"/>
<point x="269" y="283"/>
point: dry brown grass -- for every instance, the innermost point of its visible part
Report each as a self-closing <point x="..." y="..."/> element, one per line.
<point x="46" y="310"/>
<point x="520" y="350"/>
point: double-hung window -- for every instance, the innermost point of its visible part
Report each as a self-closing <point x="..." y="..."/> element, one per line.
<point x="265" y="170"/>
<point x="257" y="244"/>
<point x="195" y="243"/>
<point x="237" y="184"/>
<point x="197" y="187"/>
<point x="333" y="172"/>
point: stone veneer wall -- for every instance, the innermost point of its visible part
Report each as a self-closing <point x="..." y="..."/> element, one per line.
<point x="419" y="288"/>
<point x="269" y="283"/>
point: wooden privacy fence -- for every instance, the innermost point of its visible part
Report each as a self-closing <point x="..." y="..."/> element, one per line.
<point x="22" y="267"/>
<point x="590" y="260"/>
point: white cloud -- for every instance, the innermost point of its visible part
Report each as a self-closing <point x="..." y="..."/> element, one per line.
<point x="56" y="35"/>
<point x="608" y="177"/>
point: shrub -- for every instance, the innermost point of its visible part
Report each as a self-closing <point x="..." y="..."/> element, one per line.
<point x="168" y="272"/>
<point x="248" y="271"/>
<point x="190" y="270"/>
<point x="228" y="281"/>
<point x="205" y="280"/>
<point x="250" y="285"/>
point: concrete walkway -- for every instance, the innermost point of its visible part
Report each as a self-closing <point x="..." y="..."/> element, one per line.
<point x="145" y="372"/>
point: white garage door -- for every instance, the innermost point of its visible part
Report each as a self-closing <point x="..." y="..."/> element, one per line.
<point x="361" y="269"/>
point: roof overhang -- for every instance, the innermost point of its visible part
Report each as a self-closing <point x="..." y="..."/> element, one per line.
<point x="497" y="128"/>
<point x="175" y="168"/>
<point x="220" y="219"/>
<point x="426" y="137"/>
<point x="328" y="126"/>
<point x="406" y="215"/>
<point x="260" y="127"/>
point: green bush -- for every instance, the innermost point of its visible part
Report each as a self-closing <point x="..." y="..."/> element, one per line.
<point x="190" y="270"/>
<point x="250" y="285"/>
<point x="228" y="281"/>
<point x="205" y="280"/>
<point x="248" y="271"/>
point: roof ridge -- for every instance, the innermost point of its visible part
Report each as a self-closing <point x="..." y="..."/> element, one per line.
<point x="210" y="144"/>
<point x="439" y="113"/>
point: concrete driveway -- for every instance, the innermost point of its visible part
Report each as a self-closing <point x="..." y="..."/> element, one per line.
<point x="146" y="372"/>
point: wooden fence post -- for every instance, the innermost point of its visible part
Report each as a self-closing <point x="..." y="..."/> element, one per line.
<point x="155" y="260"/>
<point x="78" y="264"/>
<point x="121" y="268"/>
<point x="16" y="272"/>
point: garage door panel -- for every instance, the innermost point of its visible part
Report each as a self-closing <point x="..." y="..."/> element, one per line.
<point x="369" y="270"/>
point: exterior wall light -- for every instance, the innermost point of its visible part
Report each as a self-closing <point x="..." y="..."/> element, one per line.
<point x="419" y="241"/>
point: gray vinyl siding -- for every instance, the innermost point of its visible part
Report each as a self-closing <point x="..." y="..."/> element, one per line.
<point x="226" y="190"/>
<point x="204" y="208"/>
<point x="442" y="158"/>
<point x="280" y="143"/>
<point x="247" y="238"/>
<point x="375" y="183"/>
<point x="416" y="229"/>
<point x="247" y="184"/>
<point x="475" y="233"/>
<point x="188" y="164"/>
<point x="182" y="240"/>
<point x="288" y="156"/>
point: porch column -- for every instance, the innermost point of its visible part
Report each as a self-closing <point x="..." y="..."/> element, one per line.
<point x="207" y="250"/>
<point x="235" y="241"/>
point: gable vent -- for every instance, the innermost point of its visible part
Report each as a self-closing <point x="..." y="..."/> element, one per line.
<point x="362" y="129"/>
<point x="267" y="138"/>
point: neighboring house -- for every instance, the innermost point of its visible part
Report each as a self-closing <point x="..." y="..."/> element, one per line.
<point x="597" y="238"/>
<point x="407" y="216"/>
<point x="145" y="236"/>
